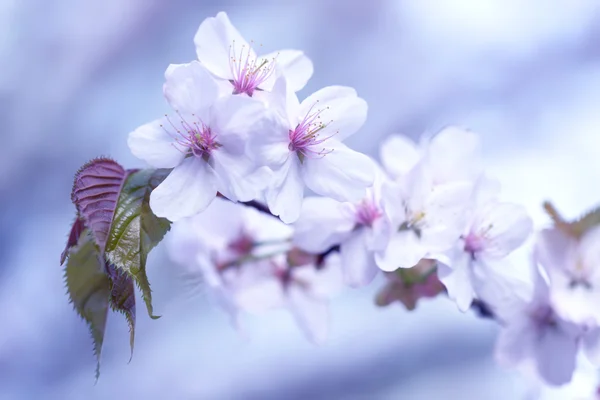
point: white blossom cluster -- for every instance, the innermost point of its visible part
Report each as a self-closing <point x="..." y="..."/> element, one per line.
<point x="426" y="216"/>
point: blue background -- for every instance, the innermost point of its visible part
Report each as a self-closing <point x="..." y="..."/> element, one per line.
<point x="77" y="76"/>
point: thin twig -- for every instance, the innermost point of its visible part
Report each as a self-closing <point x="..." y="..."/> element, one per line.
<point x="257" y="205"/>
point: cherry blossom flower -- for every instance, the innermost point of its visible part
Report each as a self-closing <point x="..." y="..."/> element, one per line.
<point x="585" y="385"/>
<point x="231" y="59"/>
<point x="212" y="246"/>
<point x="573" y="267"/>
<point x="453" y="154"/>
<point x="240" y="254"/>
<point x="534" y="335"/>
<point x="204" y="143"/>
<point x="426" y="219"/>
<point x="494" y="230"/>
<point x="408" y="286"/>
<point x="361" y="229"/>
<point x="302" y="144"/>
<point x="432" y="190"/>
<point x="308" y="291"/>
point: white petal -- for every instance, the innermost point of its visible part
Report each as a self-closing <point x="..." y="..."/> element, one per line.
<point x="415" y="188"/>
<point x="260" y="295"/>
<point x="504" y="289"/>
<point x="234" y="118"/>
<point x="237" y="179"/>
<point x="379" y="234"/>
<point x="403" y="251"/>
<point x="268" y="141"/>
<point x="507" y="226"/>
<point x="445" y="215"/>
<point x="322" y="224"/>
<point x="358" y="263"/>
<point x="591" y="346"/>
<point x="577" y="304"/>
<point x="283" y="101"/>
<point x="182" y="243"/>
<point x="188" y="190"/>
<point x="457" y="281"/>
<point x="392" y="198"/>
<point x="555" y="251"/>
<point x="589" y="249"/>
<point x="311" y="314"/>
<point x="295" y="66"/>
<point x="398" y="155"/>
<point x="223" y="299"/>
<point x="220" y="223"/>
<point x="455" y="154"/>
<point x="515" y="341"/>
<point x="555" y="353"/>
<point x="216" y="40"/>
<point x="341" y="110"/>
<point x="190" y="88"/>
<point x="211" y="276"/>
<point x="285" y="195"/>
<point x="328" y="282"/>
<point x="154" y="145"/>
<point x="343" y="174"/>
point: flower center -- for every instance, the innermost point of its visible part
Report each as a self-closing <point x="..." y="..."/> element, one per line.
<point x="476" y="241"/>
<point x="473" y="244"/>
<point x="543" y="318"/>
<point x="305" y="137"/>
<point x="580" y="276"/>
<point x="196" y="137"/>
<point x="415" y="222"/>
<point x="248" y="71"/>
<point x="367" y="213"/>
<point x="242" y="245"/>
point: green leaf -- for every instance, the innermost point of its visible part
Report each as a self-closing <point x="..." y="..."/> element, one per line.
<point x="135" y="229"/>
<point x="89" y="288"/>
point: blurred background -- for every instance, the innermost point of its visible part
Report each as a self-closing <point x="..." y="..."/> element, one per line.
<point x="77" y="76"/>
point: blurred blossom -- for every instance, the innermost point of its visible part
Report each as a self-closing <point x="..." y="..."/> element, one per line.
<point x="573" y="267"/>
<point x="494" y="230"/>
<point x="360" y="229"/>
<point x="533" y="334"/>
<point x="410" y="285"/>
<point x="246" y="260"/>
<point x="427" y="206"/>
<point x="585" y="385"/>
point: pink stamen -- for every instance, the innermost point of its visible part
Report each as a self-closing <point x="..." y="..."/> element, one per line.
<point x="306" y="136"/>
<point x="248" y="73"/>
<point x="473" y="243"/>
<point x="242" y="245"/>
<point x="195" y="137"/>
<point x="477" y="241"/>
<point x="367" y="213"/>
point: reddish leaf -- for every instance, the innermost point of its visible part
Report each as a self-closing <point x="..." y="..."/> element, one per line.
<point x="122" y="297"/>
<point x="95" y="192"/>
<point x="76" y="229"/>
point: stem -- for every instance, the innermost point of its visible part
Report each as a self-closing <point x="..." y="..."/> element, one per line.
<point x="257" y="205"/>
<point x="248" y="258"/>
<point x="482" y="309"/>
<point x="272" y="242"/>
<point x="320" y="258"/>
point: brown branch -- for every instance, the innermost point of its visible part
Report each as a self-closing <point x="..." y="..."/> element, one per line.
<point x="257" y="205"/>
